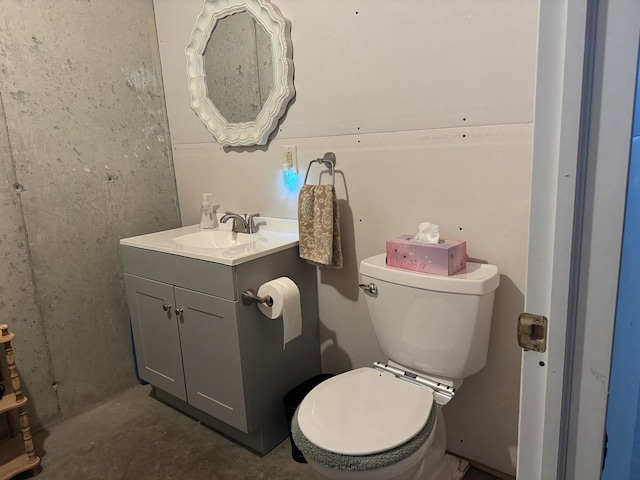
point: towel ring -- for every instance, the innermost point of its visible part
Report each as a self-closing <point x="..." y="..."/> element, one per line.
<point x="329" y="161"/>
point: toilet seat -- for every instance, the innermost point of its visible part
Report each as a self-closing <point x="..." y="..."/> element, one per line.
<point x="364" y="412"/>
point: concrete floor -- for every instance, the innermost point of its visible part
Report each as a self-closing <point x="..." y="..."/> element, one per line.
<point x="135" y="437"/>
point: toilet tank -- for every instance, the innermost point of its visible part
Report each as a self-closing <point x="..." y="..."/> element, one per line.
<point x="434" y="324"/>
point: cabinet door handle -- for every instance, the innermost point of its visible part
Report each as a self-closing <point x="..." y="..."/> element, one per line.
<point x="166" y="307"/>
<point x="179" y="311"/>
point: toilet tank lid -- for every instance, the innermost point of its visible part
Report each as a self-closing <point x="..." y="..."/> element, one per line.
<point x="476" y="279"/>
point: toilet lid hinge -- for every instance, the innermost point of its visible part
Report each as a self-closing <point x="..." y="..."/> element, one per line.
<point x="442" y="393"/>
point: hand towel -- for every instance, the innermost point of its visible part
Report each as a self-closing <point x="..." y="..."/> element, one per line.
<point x="319" y="226"/>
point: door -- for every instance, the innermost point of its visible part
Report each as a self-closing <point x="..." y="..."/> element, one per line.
<point x="586" y="76"/>
<point x="211" y="356"/>
<point x="623" y="411"/>
<point x="155" y="334"/>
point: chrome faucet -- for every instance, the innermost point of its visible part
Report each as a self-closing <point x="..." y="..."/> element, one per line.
<point x="241" y="223"/>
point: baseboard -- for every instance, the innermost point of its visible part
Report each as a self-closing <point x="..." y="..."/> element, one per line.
<point x="457" y="466"/>
<point x="484" y="468"/>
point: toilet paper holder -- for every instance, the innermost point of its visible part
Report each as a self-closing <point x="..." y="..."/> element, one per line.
<point x="250" y="296"/>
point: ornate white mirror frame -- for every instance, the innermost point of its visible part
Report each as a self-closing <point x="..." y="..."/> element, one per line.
<point x="279" y="30"/>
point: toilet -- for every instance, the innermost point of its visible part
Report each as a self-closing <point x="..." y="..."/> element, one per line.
<point x="385" y="422"/>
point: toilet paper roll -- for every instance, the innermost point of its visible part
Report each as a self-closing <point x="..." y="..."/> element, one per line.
<point x="286" y="304"/>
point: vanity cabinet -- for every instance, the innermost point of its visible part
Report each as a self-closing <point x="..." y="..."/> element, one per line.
<point x="157" y="341"/>
<point x="189" y="347"/>
<point x="206" y="353"/>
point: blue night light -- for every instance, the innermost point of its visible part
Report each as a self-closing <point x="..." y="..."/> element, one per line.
<point x="290" y="177"/>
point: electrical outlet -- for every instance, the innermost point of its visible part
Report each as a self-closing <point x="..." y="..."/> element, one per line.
<point x="291" y="157"/>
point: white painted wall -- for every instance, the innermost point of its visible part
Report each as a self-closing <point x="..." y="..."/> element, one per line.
<point x="428" y="107"/>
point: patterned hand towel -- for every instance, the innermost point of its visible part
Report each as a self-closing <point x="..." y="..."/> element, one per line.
<point x="319" y="226"/>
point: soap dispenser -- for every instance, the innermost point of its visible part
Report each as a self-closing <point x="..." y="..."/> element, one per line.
<point x="206" y="214"/>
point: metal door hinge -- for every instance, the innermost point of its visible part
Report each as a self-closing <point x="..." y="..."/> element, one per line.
<point x="532" y="332"/>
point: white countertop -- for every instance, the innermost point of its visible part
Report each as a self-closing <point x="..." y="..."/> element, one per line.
<point x="274" y="235"/>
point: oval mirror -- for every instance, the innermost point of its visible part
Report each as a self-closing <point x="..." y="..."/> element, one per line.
<point x="240" y="70"/>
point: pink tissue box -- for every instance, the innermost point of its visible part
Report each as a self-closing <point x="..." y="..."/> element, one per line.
<point x="444" y="258"/>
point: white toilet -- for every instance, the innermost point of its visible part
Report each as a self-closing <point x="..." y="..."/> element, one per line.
<point x="385" y="422"/>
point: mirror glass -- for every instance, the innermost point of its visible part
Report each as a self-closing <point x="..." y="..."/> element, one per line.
<point x="238" y="67"/>
<point x="240" y="70"/>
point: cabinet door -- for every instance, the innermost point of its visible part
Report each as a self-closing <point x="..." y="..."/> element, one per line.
<point x="211" y="355"/>
<point x="155" y="332"/>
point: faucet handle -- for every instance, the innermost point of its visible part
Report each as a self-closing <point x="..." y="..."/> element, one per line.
<point x="251" y="225"/>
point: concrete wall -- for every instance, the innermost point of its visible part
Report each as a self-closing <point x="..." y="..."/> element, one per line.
<point x="84" y="161"/>
<point x="428" y="107"/>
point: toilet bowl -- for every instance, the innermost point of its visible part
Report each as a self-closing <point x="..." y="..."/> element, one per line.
<point x="385" y="422"/>
<point x="368" y="424"/>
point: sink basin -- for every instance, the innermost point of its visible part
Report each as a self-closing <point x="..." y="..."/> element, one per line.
<point x="221" y="245"/>
<point x="215" y="239"/>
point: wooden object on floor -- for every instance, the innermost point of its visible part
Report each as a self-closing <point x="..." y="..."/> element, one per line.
<point x="17" y="454"/>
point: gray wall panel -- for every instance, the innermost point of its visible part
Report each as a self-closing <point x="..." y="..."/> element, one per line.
<point x="18" y="294"/>
<point x="86" y="120"/>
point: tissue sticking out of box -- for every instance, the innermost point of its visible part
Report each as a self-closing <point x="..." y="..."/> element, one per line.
<point x="427" y="233"/>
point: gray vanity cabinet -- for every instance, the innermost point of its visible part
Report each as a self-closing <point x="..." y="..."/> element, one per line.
<point x="158" y="350"/>
<point x="208" y="329"/>
<point x="187" y="345"/>
<point x="206" y="353"/>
